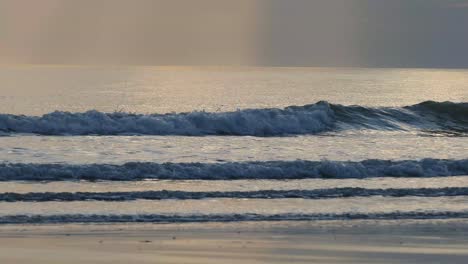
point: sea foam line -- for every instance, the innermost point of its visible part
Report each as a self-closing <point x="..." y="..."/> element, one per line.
<point x="264" y="194"/>
<point x="160" y="218"/>
<point x="277" y="170"/>
<point x="437" y="117"/>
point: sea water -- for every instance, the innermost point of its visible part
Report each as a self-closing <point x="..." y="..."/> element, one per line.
<point x="177" y="144"/>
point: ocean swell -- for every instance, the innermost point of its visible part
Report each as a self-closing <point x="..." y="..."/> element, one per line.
<point x="438" y="117"/>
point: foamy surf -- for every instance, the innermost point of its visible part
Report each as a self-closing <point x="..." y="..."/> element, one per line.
<point x="279" y="170"/>
<point x="201" y="218"/>
<point x="332" y="193"/>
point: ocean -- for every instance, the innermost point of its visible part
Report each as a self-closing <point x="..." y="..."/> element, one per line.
<point x="82" y="144"/>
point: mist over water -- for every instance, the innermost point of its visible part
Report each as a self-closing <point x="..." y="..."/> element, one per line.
<point x="333" y="33"/>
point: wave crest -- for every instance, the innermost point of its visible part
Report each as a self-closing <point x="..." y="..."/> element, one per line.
<point x="309" y="119"/>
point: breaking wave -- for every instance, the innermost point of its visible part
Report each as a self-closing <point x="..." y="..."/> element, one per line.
<point x="279" y="170"/>
<point x="265" y="194"/>
<point x="160" y="218"/>
<point x="438" y="117"/>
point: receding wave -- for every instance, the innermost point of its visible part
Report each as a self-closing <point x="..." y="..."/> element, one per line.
<point x="278" y="170"/>
<point x="264" y="194"/>
<point x="438" y="117"/>
<point x="160" y="218"/>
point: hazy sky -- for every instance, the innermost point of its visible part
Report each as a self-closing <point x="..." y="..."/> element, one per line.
<point x="372" y="33"/>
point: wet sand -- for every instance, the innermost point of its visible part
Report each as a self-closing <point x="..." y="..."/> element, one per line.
<point x="419" y="241"/>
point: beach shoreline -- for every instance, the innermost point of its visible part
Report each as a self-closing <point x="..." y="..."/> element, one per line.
<point x="388" y="241"/>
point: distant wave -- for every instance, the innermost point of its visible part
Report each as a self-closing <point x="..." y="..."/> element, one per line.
<point x="160" y="218"/>
<point x="233" y="170"/>
<point x="265" y="194"/>
<point x="439" y="117"/>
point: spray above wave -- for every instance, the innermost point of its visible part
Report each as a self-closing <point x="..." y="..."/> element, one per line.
<point x="161" y="218"/>
<point x="233" y="170"/>
<point x="265" y="194"/>
<point x="294" y="120"/>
